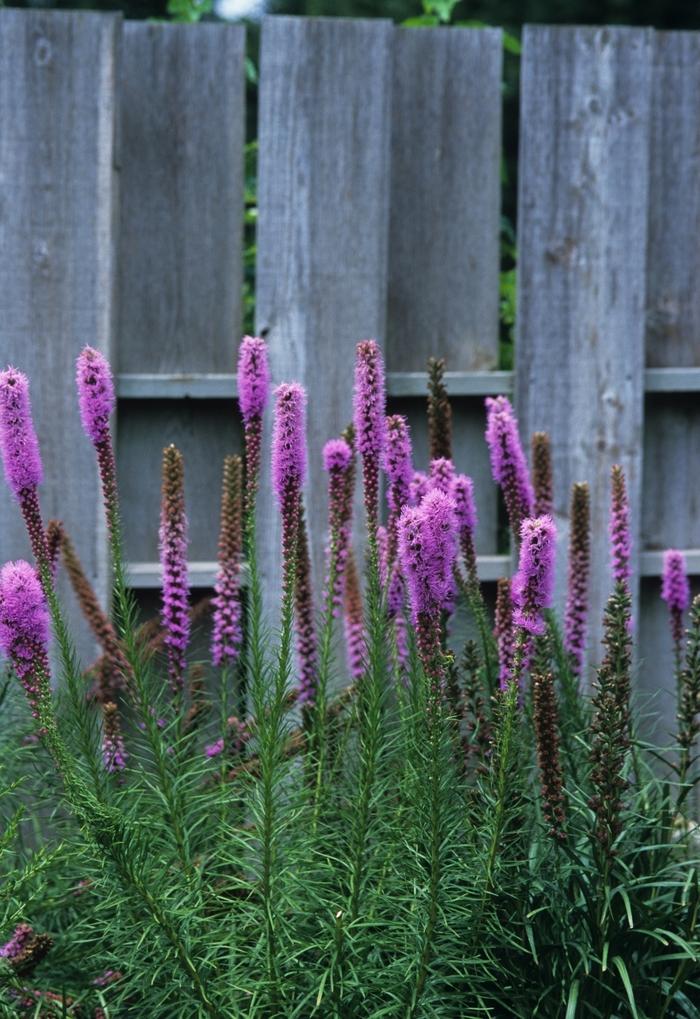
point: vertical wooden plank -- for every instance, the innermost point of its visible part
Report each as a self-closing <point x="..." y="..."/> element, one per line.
<point x="181" y="217"/>
<point x="445" y="198"/>
<point x="57" y="197"/>
<point x="582" y="231"/>
<point x="444" y="223"/>
<point x="673" y="296"/>
<point x="325" y="86"/>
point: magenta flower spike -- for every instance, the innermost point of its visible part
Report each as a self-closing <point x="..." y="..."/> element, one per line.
<point x="175" y="612"/>
<point x="353" y="622"/>
<point x="504" y="632"/>
<point x="675" y="591"/>
<point x="576" y="617"/>
<point x="22" y="935"/>
<point x="289" y="469"/>
<point x="370" y="424"/>
<point x="21" y="457"/>
<point x="462" y="492"/>
<point x="253" y="395"/>
<point x="227" y="621"/>
<point x="96" y="400"/>
<point x="419" y="488"/>
<point x="508" y="464"/>
<point x="620" y="540"/>
<point x="533" y="584"/>
<point x="398" y="462"/>
<point x="114" y="754"/>
<point x="24" y="630"/>
<point x="442" y="473"/>
<point x="307" y="647"/>
<point x="337" y="462"/>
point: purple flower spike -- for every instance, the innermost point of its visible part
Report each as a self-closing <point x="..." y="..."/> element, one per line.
<point x="289" y="440"/>
<point x="533" y="584"/>
<point x="338" y="462"/>
<point x="114" y="755"/>
<point x="442" y="472"/>
<point x="675" y="591"/>
<point x="508" y="464"/>
<point x="353" y="622"/>
<point x="621" y="545"/>
<point x="336" y="455"/>
<point x="462" y="492"/>
<point x="24" y="629"/>
<point x="427" y="550"/>
<point x="370" y="423"/>
<point x="419" y="488"/>
<point x="576" y="618"/>
<point x="175" y="612"/>
<point x="23" y="933"/>
<point x="397" y="462"/>
<point x="227" y="628"/>
<point x="18" y="441"/>
<point x="96" y="396"/>
<point x="253" y="378"/>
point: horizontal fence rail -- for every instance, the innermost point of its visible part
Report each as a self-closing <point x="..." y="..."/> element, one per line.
<point x="122" y="190"/>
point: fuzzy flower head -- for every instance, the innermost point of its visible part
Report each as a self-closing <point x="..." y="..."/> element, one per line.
<point x="253" y="377"/>
<point x="96" y="397"/>
<point x="533" y="584"/>
<point x="24" y="614"/>
<point x="427" y="551"/>
<point x="289" y="439"/>
<point x="442" y="472"/>
<point x="508" y="464"/>
<point x="337" y="455"/>
<point x="462" y="492"/>
<point x="397" y="461"/>
<point x="18" y="442"/>
<point x="675" y="589"/>
<point x="620" y="540"/>
<point x="369" y="399"/>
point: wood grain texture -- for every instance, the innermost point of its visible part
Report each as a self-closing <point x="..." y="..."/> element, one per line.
<point x="582" y="232"/>
<point x="180" y="225"/>
<point x="323" y="194"/>
<point x="57" y="200"/>
<point x="204" y="433"/>
<point x="673" y="296"/>
<point x="445" y="198"/>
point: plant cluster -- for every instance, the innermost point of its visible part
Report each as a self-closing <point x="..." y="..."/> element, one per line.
<point x="411" y="828"/>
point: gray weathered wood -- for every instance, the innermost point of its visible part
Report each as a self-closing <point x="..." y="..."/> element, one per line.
<point x="673" y="296"/>
<point x="445" y="198"/>
<point x="583" y="187"/>
<point x="57" y="195"/>
<point x="205" y="433"/>
<point x="323" y="191"/>
<point x="182" y="133"/>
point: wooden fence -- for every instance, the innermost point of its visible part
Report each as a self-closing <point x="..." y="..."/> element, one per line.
<point x="121" y="199"/>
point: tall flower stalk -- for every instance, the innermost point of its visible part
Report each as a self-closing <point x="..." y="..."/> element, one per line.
<point x="508" y="464"/>
<point x="542" y="481"/>
<point x="338" y="464"/>
<point x="253" y="394"/>
<point x="675" y="591"/>
<point x="307" y="649"/>
<point x="175" y="612"/>
<point x="21" y="457"/>
<point x="227" y="624"/>
<point x="620" y="539"/>
<point x="439" y="411"/>
<point x="97" y="400"/>
<point x="504" y="632"/>
<point x="353" y="618"/>
<point x="576" y="618"/>
<point x="370" y="427"/>
<point x="24" y="633"/>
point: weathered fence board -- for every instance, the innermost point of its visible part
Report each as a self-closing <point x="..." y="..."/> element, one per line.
<point x="323" y="197"/>
<point x="57" y="104"/>
<point x="444" y="225"/>
<point x="584" y="158"/>
<point x="181" y="197"/>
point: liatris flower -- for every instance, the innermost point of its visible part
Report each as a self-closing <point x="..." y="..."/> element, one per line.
<point x="462" y="492"/>
<point x="610" y="728"/>
<point x="397" y="464"/>
<point x="253" y="394"/>
<point x="508" y="464"/>
<point x="442" y="473"/>
<point x="33" y="949"/>
<point x="439" y="411"/>
<point x="427" y="553"/>
<point x="114" y="753"/>
<point x="23" y="933"/>
<point x="337" y="461"/>
<point x="304" y="615"/>
<point x="542" y="474"/>
<point x="215" y="748"/>
<point x="175" y="614"/>
<point x="675" y="591"/>
<point x="116" y="670"/>
<point x="419" y="488"/>
<point x="504" y="632"/>
<point x="544" y="703"/>
<point x="353" y="620"/>
<point x="576" y="618"/>
<point x="369" y="406"/>
<point x="227" y="630"/>
<point x="621" y="545"/>
<point x="289" y="469"/>
<point x="96" y="399"/>
<point x="533" y="584"/>
<point x="24" y="630"/>
<point x="21" y="458"/>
